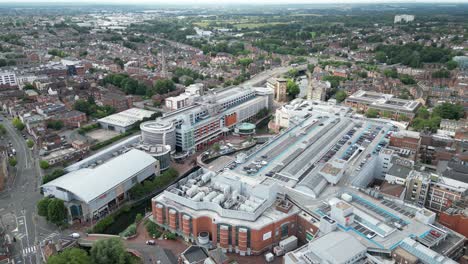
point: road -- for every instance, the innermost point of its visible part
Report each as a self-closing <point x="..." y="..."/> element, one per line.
<point x="261" y="77"/>
<point x="18" y="203"/>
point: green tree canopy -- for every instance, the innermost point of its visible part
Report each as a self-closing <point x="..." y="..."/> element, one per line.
<point x="340" y="96"/>
<point x="164" y="86"/>
<point x="449" y="111"/>
<point x="70" y="256"/>
<point x="44" y="164"/>
<point x="334" y="80"/>
<point x="451" y="64"/>
<point x="42" y="206"/>
<point x="109" y="251"/>
<point x="17" y="123"/>
<point x="30" y="143"/>
<point x="292" y="88"/>
<point x="12" y="161"/>
<point x="56" y="211"/>
<point x="372" y="113"/>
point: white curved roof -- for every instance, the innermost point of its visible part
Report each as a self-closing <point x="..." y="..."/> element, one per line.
<point x="89" y="183"/>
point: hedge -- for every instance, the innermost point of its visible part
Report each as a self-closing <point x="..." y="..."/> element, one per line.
<point x="131" y="230"/>
<point x="85" y="129"/>
<point x="152" y="229"/>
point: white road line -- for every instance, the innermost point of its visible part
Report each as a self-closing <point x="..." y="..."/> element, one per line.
<point x="29" y="250"/>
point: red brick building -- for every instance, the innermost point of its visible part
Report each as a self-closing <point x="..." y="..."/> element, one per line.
<point x="253" y="222"/>
<point x="456" y="220"/>
<point x="71" y="118"/>
<point x="119" y="102"/>
<point x="406" y="140"/>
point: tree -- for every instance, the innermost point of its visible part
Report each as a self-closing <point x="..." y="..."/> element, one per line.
<point x="293" y="73"/>
<point x="2" y="130"/>
<point x="441" y="74"/>
<point x="54" y="175"/>
<point x="406" y="79"/>
<point x="44" y="164"/>
<point x="119" y="62"/>
<point x="42" y="206"/>
<point x="340" y="96"/>
<point x="216" y="147"/>
<point x="109" y="251"/>
<point x="334" y="80"/>
<point x="292" y="88"/>
<point x="244" y="62"/>
<point x="164" y="86"/>
<point x="449" y="111"/>
<point x="170" y="236"/>
<point x="55" y="124"/>
<point x="17" y="123"/>
<point x="12" y="161"/>
<point x="392" y="73"/>
<point x="372" y="113"/>
<point x="56" y="211"/>
<point x="451" y="64"/>
<point x="70" y="255"/>
<point x="138" y="218"/>
<point x="423" y="113"/>
<point x="30" y="143"/>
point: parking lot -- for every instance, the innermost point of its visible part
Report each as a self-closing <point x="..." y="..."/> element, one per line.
<point x="379" y="211"/>
<point x="431" y="238"/>
<point x="404" y="211"/>
<point x="363" y="230"/>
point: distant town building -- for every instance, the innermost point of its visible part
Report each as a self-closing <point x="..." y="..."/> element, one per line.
<point x="403" y="18"/>
<point x="317" y="90"/>
<point x="8" y="79"/>
<point x="364" y="100"/>
<point x="279" y="86"/>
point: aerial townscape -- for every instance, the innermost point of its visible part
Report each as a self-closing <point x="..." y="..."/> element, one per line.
<point x="206" y="132"/>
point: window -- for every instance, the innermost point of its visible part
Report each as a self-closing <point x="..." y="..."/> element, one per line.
<point x="284" y="230"/>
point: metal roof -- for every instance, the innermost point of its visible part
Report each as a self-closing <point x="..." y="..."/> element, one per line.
<point x="89" y="183"/>
<point x="336" y="247"/>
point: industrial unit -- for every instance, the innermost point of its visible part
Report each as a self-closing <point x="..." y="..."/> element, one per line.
<point x="125" y="120"/>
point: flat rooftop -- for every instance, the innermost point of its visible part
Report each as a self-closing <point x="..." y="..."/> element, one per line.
<point x="127" y="118"/>
<point x="381" y="100"/>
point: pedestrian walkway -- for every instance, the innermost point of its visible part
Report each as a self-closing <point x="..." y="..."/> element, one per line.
<point x="30" y="250"/>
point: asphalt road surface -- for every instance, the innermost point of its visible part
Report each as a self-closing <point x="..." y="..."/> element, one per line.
<point x="18" y="202"/>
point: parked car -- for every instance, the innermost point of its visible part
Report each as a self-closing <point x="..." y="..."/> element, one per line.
<point x="150" y="242"/>
<point x="435" y="233"/>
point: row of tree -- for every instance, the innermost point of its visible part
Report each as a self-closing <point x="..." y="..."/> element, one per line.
<point x="132" y="86"/>
<point x="412" y="54"/>
<point x="90" y="108"/>
<point x="426" y="120"/>
<point x="104" y="251"/>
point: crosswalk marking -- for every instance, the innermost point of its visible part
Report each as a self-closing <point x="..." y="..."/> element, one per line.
<point x="29" y="250"/>
<point x="50" y="236"/>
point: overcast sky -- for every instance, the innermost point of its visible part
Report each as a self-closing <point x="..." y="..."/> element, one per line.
<point x="171" y="2"/>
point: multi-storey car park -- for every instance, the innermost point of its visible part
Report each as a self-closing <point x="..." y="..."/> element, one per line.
<point x="312" y="173"/>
